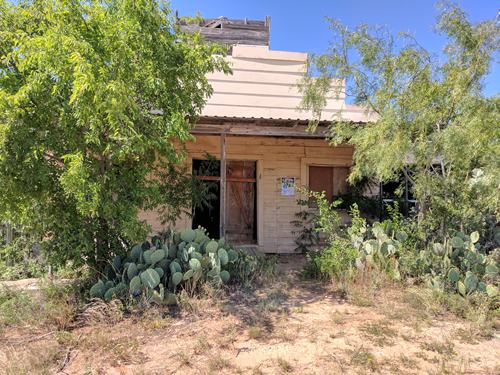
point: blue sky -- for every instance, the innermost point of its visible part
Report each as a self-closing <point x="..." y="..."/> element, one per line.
<point x="300" y="25"/>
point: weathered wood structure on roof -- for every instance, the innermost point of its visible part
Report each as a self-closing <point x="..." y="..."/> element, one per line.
<point x="231" y="31"/>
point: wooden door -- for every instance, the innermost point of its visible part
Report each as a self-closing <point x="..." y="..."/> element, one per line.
<point x="241" y="198"/>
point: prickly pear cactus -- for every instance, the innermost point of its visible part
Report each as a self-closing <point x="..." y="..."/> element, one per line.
<point x="154" y="271"/>
<point x="224" y="259"/>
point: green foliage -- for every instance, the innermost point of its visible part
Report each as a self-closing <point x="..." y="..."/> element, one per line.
<point x="20" y="258"/>
<point x="459" y="264"/>
<point x="429" y="120"/>
<point x="94" y="98"/>
<point x="52" y="307"/>
<point x="336" y="260"/>
<point x="307" y="238"/>
<point x="146" y="274"/>
<point x="327" y="222"/>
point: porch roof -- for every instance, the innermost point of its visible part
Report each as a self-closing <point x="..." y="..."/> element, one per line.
<point x="251" y="126"/>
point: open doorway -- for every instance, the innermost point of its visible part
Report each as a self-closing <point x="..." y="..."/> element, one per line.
<point x="208" y="171"/>
<point x="241" y="199"/>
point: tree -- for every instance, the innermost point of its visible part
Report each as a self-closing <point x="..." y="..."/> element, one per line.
<point x="96" y="100"/>
<point x="433" y="122"/>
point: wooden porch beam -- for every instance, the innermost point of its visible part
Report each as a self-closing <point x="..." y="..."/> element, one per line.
<point x="296" y="131"/>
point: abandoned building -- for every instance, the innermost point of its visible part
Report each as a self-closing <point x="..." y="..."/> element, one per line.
<point x="254" y="129"/>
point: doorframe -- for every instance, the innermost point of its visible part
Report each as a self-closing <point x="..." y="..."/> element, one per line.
<point x="259" y="161"/>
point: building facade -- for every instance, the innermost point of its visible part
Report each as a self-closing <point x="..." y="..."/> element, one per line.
<point x="256" y="134"/>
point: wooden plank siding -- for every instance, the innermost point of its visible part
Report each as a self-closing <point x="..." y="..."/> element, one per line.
<point x="265" y="84"/>
<point x="276" y="157"/>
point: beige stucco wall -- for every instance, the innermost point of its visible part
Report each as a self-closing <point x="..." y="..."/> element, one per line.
<point x="276" y="158"/>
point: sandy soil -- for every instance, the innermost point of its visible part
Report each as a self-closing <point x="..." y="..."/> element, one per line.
<point x="287" y="327"/>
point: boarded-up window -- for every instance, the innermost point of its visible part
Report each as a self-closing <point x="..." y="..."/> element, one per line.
<point x="331" y="180"/>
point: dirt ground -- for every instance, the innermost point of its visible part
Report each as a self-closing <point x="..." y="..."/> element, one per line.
<point x="289" y="326"/>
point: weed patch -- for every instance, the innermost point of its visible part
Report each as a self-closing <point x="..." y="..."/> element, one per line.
<point x="361" y="357"/>
<point x="380" y="332"/>
<point x="445" y="348"/>
<point x="284" y="365"/>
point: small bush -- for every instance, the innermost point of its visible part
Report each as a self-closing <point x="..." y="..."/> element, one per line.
<point x="336" y="261"/>
<point x="53" y="306"/>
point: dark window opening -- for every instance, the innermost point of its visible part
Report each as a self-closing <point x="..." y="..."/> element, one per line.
<point x="399" y="191"/>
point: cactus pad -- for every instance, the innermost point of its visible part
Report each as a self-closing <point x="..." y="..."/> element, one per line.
<point x="232" y="255"/>
<point x="147" y="256"/>
<point x="470" y="282"/>
<point x="177" y="278"/>
<point x="150" y="278"/>
<point x="132" y="271"/>
<point x="457" y="242"/>
<point x="188" y="235"/>
<point x="98" y="290"/>
<point x="136" y="252"/>
<point x="194" y="264"/>
<point x="157" y="255"/>
<point x="175" y="267"/>
<point x="160" y="271"/>
<point x="453" y="275"/>
<point x="188" y="274"/>
<point x="135" y="286"/>
<point x="491" y="269"/>
<point x="110" y="294"/>
<point x="196" y="255"/>
<point x="225" y="276"/>
<point x="224" y="259"/>
<point x="211" y="246"/>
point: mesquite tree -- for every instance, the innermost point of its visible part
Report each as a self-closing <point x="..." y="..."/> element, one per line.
<point x="96" y="100"/>
<point x="432" y="120"/>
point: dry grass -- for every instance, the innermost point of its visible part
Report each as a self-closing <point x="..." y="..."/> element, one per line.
<point x="255" y="332"/>
<point x="38" y="358"/>
<point x="218" y="363"/>
<point x="202" y="345"/>
<point x="282" y="327"/>
<point x="53" y="307"/>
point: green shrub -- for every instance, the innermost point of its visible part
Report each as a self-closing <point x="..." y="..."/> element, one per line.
<point x="53" y="305"/>
<point x="396" y="247"/>
<point x="337" y="259"/>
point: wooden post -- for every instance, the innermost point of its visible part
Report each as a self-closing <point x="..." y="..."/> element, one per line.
<point x="222" y="220"/>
